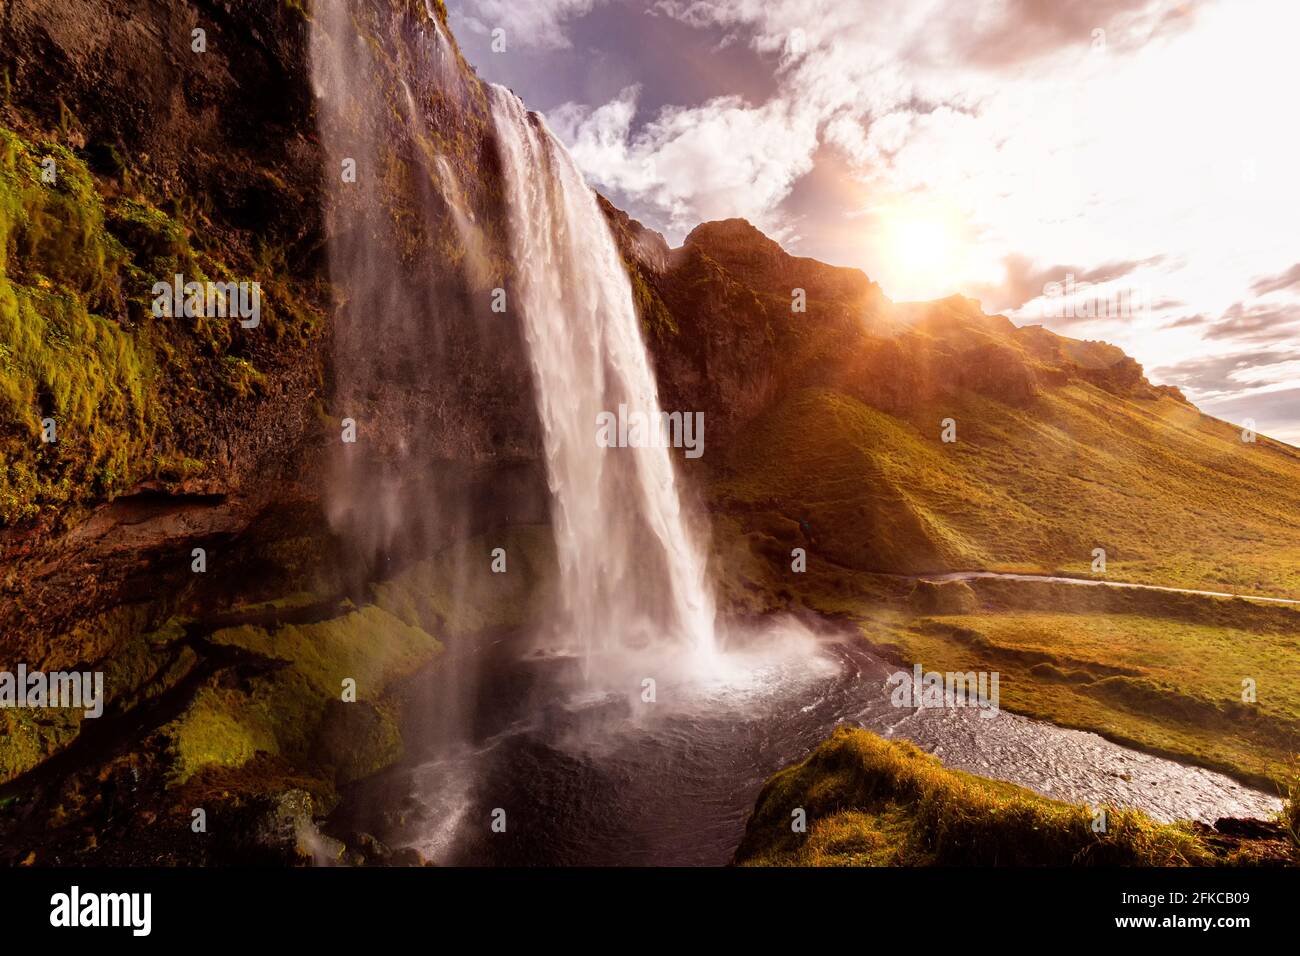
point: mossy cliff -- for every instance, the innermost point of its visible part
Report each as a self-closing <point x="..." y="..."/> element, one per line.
<point x="84" y="356"/>
<point x="175" y="433"/>
<point x="127" y="156"/>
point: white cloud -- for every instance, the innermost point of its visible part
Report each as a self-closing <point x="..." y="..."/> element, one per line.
<point x="532" y="23"/>
<point x="720" y="159"/>
<point x="1002" y="117"/>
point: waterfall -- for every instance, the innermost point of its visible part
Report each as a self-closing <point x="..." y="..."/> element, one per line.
<point x="415" y="332"/>
<point x="632" y="574"/>
<point x="400" y="318"/>
<point x="404" y="322"/>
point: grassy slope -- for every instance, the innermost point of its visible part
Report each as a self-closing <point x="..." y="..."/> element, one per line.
<point x="1174" y="497"/>
<point x="872" y="802"/>
<point x="1163" y="672"/>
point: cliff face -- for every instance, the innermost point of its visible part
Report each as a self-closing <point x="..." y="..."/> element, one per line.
<point x="171" y="433"/>
<point x="176" y="152"/>
<point x="198" y="154"/>
<point x="229" y="129"/>
<point x="733" y="295"/>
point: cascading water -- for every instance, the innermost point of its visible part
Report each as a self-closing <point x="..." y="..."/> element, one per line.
<point x="411" y="346"/>
<point x="415" y="251"/>
<point x="401" y="308"/>
<point x="632" y="574"/>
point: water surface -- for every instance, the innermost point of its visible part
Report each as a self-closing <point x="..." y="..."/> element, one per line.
<point x="594" y="778"/>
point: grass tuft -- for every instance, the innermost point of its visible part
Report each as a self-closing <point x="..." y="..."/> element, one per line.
<point x="872" y="802"/>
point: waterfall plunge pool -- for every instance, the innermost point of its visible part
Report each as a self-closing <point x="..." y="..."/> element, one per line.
<point x="589" y="776"/>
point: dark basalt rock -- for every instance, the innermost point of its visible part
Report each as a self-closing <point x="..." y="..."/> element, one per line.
<point x="229" y="132"/>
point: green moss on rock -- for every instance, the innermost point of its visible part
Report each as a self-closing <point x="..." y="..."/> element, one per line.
<point x="457" y="590"/>
<point x="138" y="663"/>
<point x="79" y="343"/>
<point x="289" y="709"/>
<point x="61" y="359"/>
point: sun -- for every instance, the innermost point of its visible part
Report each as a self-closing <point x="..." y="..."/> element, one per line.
<point x="925" y="251"/>
<point x="924" y="244"/>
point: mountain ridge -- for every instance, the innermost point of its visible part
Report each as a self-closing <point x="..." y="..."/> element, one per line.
<point x="831" y="421"/>
<point x="746" y="252"/>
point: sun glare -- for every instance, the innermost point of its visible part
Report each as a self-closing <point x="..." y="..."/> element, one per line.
<point x="923" y="245"/>
<point x="925" y="252"/>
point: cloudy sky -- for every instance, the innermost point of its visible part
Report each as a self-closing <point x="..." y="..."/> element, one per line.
<point x="1126" y="170"/>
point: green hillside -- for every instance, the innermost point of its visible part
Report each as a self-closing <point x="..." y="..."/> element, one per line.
<point x="833" y="418"/>
<point x="1174" y="497"/>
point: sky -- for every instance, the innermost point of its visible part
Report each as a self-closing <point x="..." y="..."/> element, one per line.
<point x="1124" y="170"/>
